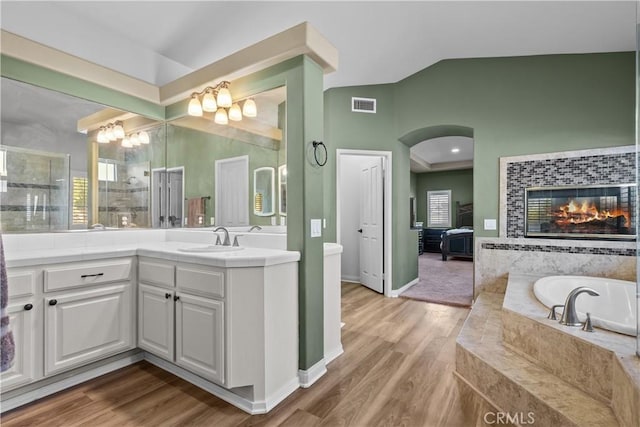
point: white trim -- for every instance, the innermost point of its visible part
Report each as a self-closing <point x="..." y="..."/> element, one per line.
<point x="388" y="211"/>
<point x="396" y="292"/>
<point x="69" y="381"/>
<point x="504" y="162"/>
<point x="331" y="355"/>
<point x="279" y="395"/>
<point x="313" y="374"/>
<point x="180" y="168"/>
<point x="350" y="279"/>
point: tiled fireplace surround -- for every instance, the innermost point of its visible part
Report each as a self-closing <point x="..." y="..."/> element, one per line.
<point x="496" y="257"/>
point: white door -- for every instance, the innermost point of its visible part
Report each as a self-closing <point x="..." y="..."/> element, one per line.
<point x="200" y="336"/>
<point x="232" y="191"/>
<point x="371" y="224"/>
<point x="175" y="198"/>
<point x="155" y="320"/>
<point x="84" y="326"/>
<point x="21" y="322"/>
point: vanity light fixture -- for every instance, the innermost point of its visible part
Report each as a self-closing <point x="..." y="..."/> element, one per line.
<point x="218" y="99"/>
<point x="102" y="135"/>
<point x="118" y="130"/>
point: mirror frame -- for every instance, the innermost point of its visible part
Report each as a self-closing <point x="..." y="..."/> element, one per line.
<point x="282" y="195"/>
<point x="272" y="184"/>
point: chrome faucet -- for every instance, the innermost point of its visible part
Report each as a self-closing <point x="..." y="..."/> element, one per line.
<point x="255" y="227"/>
<point x="98" y="226"/>
<point x="569" y="315"/>
<point x="226" y="242"/>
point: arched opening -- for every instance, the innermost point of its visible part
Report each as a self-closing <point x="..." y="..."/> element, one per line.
<point x="441" y="199"/>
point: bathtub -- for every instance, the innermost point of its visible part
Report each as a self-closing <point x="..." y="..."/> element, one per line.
<point x="614" y="309"/>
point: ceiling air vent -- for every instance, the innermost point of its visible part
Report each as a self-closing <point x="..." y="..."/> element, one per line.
<point x="363" y="105"/>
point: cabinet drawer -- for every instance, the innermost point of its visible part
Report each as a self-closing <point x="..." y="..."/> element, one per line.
<point x="22" y="283"/>
<point x="86" y="274"/>
<point x="200" y="281"/>
<point x="156" y="273"/>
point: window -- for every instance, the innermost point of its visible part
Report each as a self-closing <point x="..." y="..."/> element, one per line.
<point x="79" y="201"/>
<point x="439" y="208"/>
<point x="106" y="171"/>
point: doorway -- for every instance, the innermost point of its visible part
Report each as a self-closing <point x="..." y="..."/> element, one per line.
<point x="167" y="197"/>
<point x="363" y="217"/>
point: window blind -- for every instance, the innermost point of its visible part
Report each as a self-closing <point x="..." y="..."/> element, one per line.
<point x="439" y="208"/>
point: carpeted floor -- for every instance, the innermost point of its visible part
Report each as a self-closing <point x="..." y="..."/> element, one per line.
<point x="443" y="282"/>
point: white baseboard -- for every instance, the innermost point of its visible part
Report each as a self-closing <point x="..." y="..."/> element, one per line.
<point x="67" y="382"/>
<point x="396" y="292"/>
<point x="332" y="354"/>
<point x="310" y="376"/>
<point x="350" y="279"/>
<point x="275" y="398"/>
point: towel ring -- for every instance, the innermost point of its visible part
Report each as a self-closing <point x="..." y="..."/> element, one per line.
<point x="317" y="144"/>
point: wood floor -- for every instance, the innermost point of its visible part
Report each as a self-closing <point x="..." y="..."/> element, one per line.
<point x="396" y="371"/>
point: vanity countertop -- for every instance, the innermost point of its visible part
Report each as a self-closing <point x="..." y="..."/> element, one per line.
<point x="248" y="257"/>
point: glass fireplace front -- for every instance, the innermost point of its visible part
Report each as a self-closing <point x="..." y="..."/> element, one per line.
<point x="597" y="212"/>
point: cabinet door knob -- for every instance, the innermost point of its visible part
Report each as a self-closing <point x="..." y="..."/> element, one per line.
<point x="53" y="302"/>
<point x="167" y="295"/>
<point x="28" y="307"/>
<point x="176" y="298"/>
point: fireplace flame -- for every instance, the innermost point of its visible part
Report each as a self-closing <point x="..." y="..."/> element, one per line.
<point x="576" y="212"/>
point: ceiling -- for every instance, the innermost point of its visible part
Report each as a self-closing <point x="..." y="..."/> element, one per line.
<point x="445" y="153"/>
<point x="378" y="42"/>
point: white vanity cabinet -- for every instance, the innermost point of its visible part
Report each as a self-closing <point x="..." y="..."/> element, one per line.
<point x="200" y="336"/>
<point x="156" y="320"/>
<point x="88" y="312"/>
<point x="181" y="315"/>
<point x="25" y="320"/>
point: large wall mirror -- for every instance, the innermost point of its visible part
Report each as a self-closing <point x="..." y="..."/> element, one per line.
<point x="219" y="162"/>
<point x="60" y="171"/>
<point x="56" y="176"/>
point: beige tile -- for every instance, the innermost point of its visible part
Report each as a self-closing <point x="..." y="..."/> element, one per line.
<point x="601" y="363"/>
<point x="625" y="397"/>
<point x="521" y="333"/>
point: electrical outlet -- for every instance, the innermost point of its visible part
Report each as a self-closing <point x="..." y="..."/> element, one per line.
<point x="490" y="224"/>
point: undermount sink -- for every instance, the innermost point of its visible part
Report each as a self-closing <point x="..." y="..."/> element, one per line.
<point x="211" y="248"/>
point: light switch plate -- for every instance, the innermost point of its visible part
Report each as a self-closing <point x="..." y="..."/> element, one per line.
<point x="316" y="228"/>
<point x="490" y="224"/>
<point x="273" y="220"/>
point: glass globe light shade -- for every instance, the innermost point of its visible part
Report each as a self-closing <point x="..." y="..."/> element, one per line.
<point x="195" y="109"/>
<point x="209" y="102"/>
<point x="224" y="98"/>
<point x="249" y="108"/>
<point x="235" y="113"/>
<point x="110" y="135"/>
<point x="143" y="137"/>
<point x="221" y="117"/>
<point x="102" y="136"/>
<point x="135" y="140"/>
<point x="118" y="131"/>
<point x="126" y="142"/>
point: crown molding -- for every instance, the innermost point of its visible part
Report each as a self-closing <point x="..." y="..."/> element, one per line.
<point x="301" y="39"/>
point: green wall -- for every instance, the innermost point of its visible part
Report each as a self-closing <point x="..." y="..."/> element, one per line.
<point x="522" y="105"/>
<point x="515" y="106"/>
<point x="460" y="182"/>
<point x="185" y="148"/>
<point x="362" y="131"/>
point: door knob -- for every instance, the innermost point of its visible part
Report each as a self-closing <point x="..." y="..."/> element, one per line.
<point x="176" y="298"/>
<point x="167" y="295"/>
<point x="359" y="230"/>
<point x="28" y="307"/>
<point x="53" y="302"/>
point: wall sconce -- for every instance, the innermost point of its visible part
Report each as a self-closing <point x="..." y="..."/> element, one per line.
<point x="218" y="100"/>
<point x="114" y="131"/>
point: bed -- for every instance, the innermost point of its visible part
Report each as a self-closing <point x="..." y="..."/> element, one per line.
<point x="458" y="242"/>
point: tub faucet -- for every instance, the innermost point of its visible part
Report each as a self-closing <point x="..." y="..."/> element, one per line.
<point x="255" y="227"/>
<point x="226" y="242"/>
<point x="569" y="315"/>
